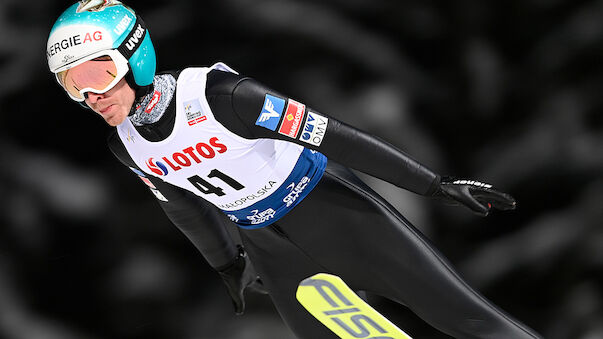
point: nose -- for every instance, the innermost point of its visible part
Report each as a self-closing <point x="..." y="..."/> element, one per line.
<point x="93" y="97"/>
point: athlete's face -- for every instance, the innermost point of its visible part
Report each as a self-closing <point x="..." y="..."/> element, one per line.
<point x="113" y="105"/>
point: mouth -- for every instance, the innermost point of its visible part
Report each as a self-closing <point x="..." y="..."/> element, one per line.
<point x="106" y="109"/>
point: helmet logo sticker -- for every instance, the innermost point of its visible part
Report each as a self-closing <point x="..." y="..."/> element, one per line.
<point x="73" y="41"/>
<point x="122" y="25"/>
<point x="89" y="28"/>
<point x="95" y="5"/>
<point x="67" y="58"/>
<point x="135" y="38"/>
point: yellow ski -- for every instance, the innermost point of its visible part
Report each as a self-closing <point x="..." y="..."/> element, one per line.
<point x="335" y="305"/>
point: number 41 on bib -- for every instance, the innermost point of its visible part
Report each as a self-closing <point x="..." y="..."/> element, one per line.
<point x="335" y="305"/>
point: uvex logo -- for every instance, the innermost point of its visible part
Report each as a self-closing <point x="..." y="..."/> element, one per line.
<point x="187" y="157"/>
<point x="122" y="25"/>
<point x="135" y="38"/>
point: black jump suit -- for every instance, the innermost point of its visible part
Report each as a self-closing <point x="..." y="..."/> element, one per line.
<point x="342" y="227"/>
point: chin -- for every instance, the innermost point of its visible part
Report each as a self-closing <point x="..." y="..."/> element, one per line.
<point x="115" y="123"/>
<point x="116" y="120"/>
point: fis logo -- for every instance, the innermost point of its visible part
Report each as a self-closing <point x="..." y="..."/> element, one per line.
<point x="314" y="129"/>
<point x="194" y="113"/>
<point x="130" y="136"/>
<point x="271" y="112"/>
<point x="334" y="304"/>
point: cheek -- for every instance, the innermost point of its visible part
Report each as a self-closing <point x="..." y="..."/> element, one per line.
<point x="123" y="113"/>
<point x="127" y="95"/>
<point x="90" y="105"/>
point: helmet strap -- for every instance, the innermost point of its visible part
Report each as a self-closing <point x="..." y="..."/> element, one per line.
<point x="140" y="92"/>
<point x="134" y="39"/>
<point x="127" y="48"/>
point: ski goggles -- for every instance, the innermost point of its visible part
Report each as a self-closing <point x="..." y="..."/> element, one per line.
<point x="96" y="73"/>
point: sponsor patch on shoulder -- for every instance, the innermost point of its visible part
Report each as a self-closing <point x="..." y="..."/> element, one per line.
<point x="293" y="119"/>
<point x="271" y="112"/>
<point x="148" y="182"/>
<point x="194" y="114"/>
<point x="138" y="172"/>
<point x="158" y="195"/>
<point x="314" y="129"/>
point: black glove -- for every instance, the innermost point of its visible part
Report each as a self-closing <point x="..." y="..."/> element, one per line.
<point x="237" y="276"/>
<point x="477" y="196"/>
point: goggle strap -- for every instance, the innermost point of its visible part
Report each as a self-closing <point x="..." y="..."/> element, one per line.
<point x="134" y="39"/>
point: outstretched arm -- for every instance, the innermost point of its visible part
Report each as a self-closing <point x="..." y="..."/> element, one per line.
<point x="253" y="110"/>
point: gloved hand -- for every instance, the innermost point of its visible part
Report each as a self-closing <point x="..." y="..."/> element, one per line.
<point x="237" y="276"/>
<point x="477" y="196"/>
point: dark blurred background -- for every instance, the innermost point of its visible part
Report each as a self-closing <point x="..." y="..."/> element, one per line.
<point x="507" y="92"/>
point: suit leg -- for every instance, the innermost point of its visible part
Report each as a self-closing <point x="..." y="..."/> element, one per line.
<point x="350" y="230"/>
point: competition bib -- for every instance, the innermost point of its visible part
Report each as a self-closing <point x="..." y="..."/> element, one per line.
<point x="254" y="182"/>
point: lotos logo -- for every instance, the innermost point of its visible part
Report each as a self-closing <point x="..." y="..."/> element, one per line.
<point x="187" y="157"/>
<point x="157" y="167"/>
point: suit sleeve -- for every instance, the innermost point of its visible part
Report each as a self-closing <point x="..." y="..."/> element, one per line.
<point x="202" y="223"/>
<point x="242" y="105"/>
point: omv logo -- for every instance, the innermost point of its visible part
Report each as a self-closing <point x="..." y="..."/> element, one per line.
<point x="157" y="167"/>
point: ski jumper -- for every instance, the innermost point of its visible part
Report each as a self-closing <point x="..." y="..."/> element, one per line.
<point x="228" y="149"/>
